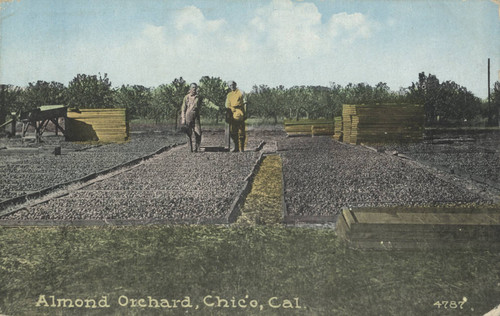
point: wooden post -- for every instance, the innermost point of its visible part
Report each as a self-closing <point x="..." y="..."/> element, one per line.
<point x="227" y="129"/>
<point x="227" y="136"/>
<point x="490" y="112"/>
<point x="57" y="126"/>
<point x="38" y="135"/>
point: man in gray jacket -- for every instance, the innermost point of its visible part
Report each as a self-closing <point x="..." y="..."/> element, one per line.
<point x="190" y="115"/>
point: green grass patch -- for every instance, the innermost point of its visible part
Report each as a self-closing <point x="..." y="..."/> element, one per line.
<point x="262" y="262"/>
<point x="264" y="203"/>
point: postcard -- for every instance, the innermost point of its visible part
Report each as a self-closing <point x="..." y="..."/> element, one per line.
<point x="269" y="157"/>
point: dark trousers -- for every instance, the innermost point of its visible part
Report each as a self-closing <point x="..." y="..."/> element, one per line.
<point x="237" y="132"/>
<point x="197" y="140"/>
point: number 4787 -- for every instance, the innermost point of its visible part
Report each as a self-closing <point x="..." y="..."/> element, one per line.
<point x="450" y="304"/>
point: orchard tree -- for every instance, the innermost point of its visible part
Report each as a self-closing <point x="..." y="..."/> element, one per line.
<point x="43" y="93"/>
<point x="10" y="100"/>
<point x="456" y="104"/>
<point x="160" y="103"/>
<point x="444" y="103"/>
<point x="136" y="99"/>
<point x="426" y="92"/>
<point x="495" y="103"/>
<point x="336" y="98"/>
<point x="363" y="93"/>
<point x="180" y="89"/>
<point x="297" y="101"/>
<point x="266" y="102"/>
<point x="382" y="93"/>
<point x="89" y="91"/>
<point x="213" y="89"/>
<point x="320" y="102"/>
<point x="167" y="100"/>
<point x="401" y="96"/>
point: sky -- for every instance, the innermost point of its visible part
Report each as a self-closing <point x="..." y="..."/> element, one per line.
<point x="253" y="42"/>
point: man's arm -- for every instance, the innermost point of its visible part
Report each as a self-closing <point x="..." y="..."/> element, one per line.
<point x="228" y="104"/>
<point x="209" y="104"/>
<point x="183" y="111"/>
<point x="244" y="109"/>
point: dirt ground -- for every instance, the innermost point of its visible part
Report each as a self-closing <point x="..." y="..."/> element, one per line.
<point x="320" y="175"/>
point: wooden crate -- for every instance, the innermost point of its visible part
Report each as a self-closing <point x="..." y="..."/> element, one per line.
<point x="421" y="227"/>
<point x="105" y="125"/>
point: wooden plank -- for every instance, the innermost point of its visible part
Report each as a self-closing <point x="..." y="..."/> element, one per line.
<point x="479" y="209"/>
<point x="410" y="227"/>
<point x="435" y="233"/>
<point x="402" y="245"/>
<point x="429" y="218"/>
<point x="308" y="122"/>
<point x="348" y="216"/>
<point x="341" y="227"/>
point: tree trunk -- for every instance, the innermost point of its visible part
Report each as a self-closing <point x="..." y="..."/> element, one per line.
<point x="3" y="114"/>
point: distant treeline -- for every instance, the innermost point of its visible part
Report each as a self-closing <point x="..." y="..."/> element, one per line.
<point x="445" y="102"/>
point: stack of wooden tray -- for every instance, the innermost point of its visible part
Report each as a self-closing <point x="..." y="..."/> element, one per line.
<point x="382" y="123"/>
<point x="309" y="127"/>
<point x="105" y="125"/>
<point x="337" y="135"/>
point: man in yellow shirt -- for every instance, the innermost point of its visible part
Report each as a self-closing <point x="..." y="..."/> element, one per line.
<point x="236" y="103"/>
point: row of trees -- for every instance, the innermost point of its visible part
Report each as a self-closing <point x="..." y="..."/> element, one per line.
<point x="448" y="102"/>
<point x="84" y="91"/>
<point x="444" y="102"/>
<point x="316" y="101"/>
